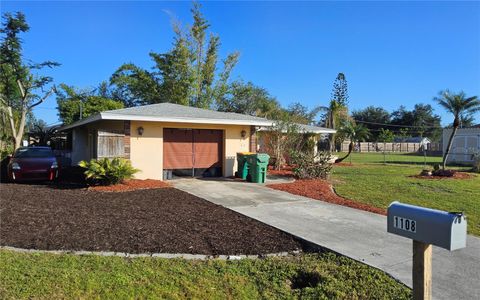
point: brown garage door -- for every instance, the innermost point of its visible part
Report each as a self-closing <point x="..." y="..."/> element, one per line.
<point x="192" y="148"/>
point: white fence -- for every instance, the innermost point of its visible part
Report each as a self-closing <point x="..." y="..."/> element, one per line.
<point x="391" y="147"/>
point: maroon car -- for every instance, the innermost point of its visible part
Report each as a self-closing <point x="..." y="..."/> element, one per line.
<point x="33" y="163"/>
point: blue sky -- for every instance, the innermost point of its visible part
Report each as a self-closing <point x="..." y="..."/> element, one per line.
<point x="393" y="53"/>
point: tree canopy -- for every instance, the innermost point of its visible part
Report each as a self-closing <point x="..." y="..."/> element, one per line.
<point x="21" y="86"/>
<point x="373" y="118"/>
<point x="247" y="98"/>
<point x="188" y="74"/>
<point x="74" y="104"/>
<point x="420" y="121"/>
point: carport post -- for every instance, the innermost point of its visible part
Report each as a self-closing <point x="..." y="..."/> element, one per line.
<point x="422" y="271"/>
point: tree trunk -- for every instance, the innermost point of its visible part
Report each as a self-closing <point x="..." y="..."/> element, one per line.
<point x="21" y="128"/>
<point x="450" y="142"/>
<point x="350" y="149"/>
<point x="278" y="161"/>
<point x="333" y="135"/>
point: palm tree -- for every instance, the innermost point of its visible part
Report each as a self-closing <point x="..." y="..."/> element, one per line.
<point x="335" y="113"/>
<point x="43" y="134"/>
<point x="458" y="105"/>
<point x="356" y="133"/>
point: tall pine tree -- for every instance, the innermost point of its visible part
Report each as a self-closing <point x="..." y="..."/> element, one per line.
<point x="340" y="90"/>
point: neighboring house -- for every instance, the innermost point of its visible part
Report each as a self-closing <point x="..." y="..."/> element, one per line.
<point x="423" y="141"/>
<point x="167" y="136"/>
<point x="465" y="143"/>
<point x="318" y="134"/>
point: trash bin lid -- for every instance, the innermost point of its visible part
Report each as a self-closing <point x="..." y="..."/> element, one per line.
<point x="263" y="157"/>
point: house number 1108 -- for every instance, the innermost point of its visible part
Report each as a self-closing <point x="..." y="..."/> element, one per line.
<point x="404" y="224"/>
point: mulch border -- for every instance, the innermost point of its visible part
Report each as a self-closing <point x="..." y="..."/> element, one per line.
<point x="326" y="194"/>
<point x="130" y="185"/>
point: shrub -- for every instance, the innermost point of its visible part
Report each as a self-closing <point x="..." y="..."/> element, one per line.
<point x="107" y="171"/>
<point x="476" y="162"/>
<point x="5" y="152"/>
<point x="310" y="166"/>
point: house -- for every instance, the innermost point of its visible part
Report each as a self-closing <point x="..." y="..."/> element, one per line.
<point x="186" y="140"/>
<point x="316" y="133"/>
<point x="166" y="136"/>
<point x="422" y="141"/>
<point x="465" y="143"/>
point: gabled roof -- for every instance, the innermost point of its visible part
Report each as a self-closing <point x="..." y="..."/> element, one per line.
<point x="315" y="129"/>
<point x="169" y="112"/>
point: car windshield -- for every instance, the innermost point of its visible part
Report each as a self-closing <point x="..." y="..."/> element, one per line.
<point x="34" y="153"/>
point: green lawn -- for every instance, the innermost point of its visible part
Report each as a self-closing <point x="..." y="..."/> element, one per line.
<point x="50" y="276"/>
<point x="370" y="181"/>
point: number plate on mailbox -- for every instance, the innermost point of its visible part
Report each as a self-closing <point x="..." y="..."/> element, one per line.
<point x="404" y="224"/>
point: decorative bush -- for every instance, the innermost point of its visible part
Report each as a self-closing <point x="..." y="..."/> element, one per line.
<point x="310" y="166"/>
<point x="107" y="171"/>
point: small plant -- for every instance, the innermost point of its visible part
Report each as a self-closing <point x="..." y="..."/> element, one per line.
<point x="310" y="166"/>
<point x="436" y="167"/>
<point x="107" y="171"/>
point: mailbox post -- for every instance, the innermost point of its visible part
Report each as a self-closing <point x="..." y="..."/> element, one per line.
<point x="426" y="227"/>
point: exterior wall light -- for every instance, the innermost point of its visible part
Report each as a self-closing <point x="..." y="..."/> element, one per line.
<point x="243" y="133"/>
<point x="140" y="130"/>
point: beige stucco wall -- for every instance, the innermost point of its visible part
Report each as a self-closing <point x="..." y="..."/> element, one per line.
<point x="146" y="152"/>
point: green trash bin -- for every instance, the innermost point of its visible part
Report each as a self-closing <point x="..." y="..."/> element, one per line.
<point x="242" y="164"/>
<point x="258" y="167"/>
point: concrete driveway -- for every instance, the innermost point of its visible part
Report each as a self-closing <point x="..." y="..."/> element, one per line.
<point x="357" y="234"/>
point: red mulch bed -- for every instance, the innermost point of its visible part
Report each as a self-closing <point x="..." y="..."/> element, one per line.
<point x="131" y="185"/>
<point x="166" y="220"/>
<point x="283" y="173"/>
<point x="322" y="190"/>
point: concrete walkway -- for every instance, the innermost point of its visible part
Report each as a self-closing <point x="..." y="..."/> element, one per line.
<point x="357" y="234"/>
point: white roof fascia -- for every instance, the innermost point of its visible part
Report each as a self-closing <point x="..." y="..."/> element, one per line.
<point x="90" y="119"/>
<point x="110" y="116"/>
